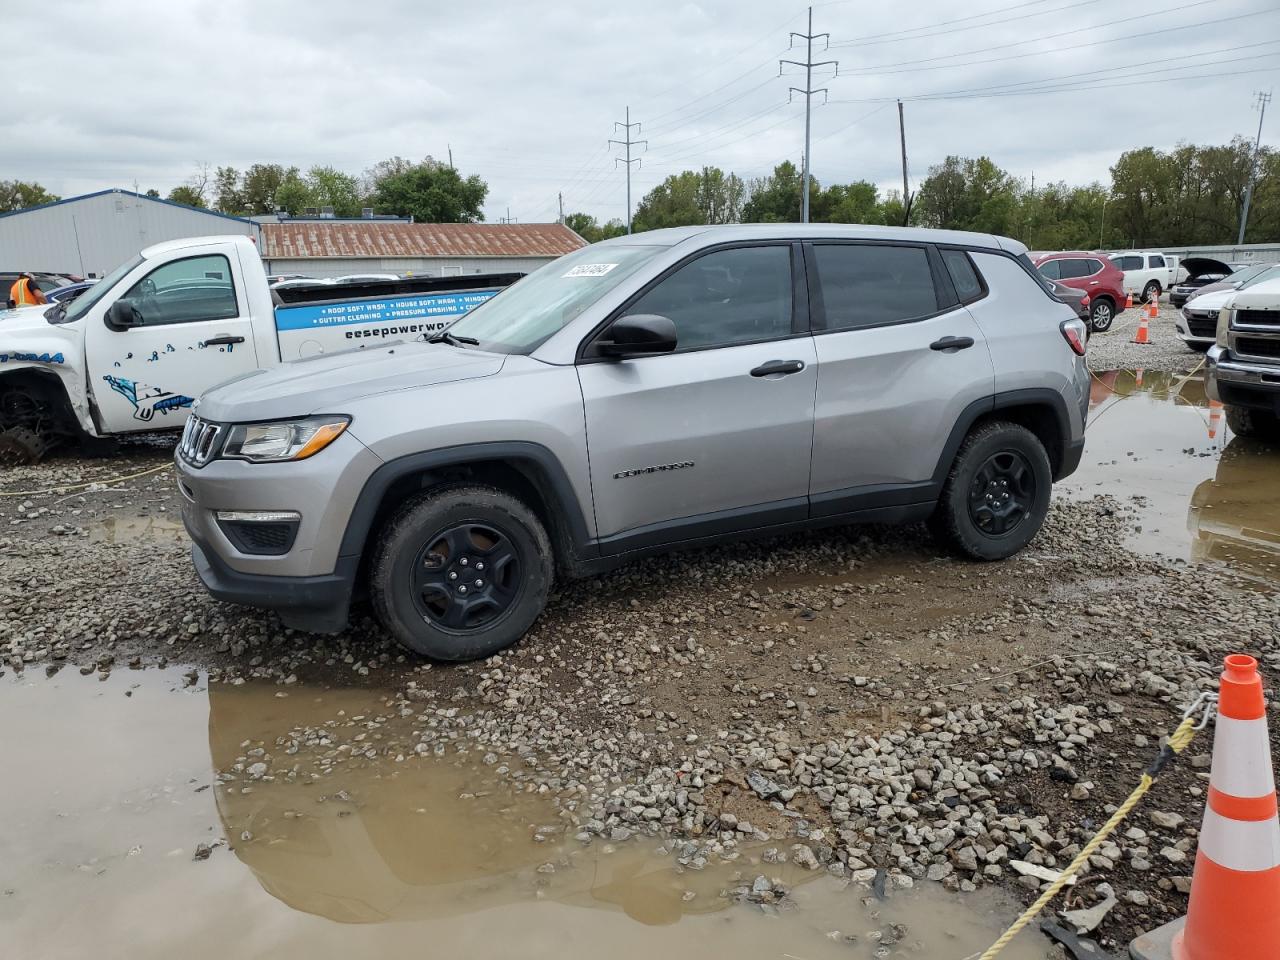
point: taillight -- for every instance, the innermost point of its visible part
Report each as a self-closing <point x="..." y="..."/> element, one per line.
<point x="1075" y="333"/>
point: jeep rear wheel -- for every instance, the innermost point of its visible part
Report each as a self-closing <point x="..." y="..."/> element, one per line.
<point x="461" y="572"/>
<point x="1258" y="424"/>
<point x="997" y="493"/>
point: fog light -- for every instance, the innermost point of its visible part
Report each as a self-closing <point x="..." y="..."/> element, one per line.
<point x="259" y="516"/>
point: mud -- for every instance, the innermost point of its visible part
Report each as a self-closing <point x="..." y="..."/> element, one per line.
<point x="122" y="789"/>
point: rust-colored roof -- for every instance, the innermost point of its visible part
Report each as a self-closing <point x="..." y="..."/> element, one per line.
<point x="314" y="239"/>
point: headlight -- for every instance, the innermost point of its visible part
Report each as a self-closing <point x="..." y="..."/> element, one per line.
<point x="285" y="440"/>
<point x="1224" y="325"/>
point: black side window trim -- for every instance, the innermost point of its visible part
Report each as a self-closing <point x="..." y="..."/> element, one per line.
<point x="982" y="281"/>
<point x="942" y="289"/>
<point x="800" y="302"/>
<point x="231" y="276"/>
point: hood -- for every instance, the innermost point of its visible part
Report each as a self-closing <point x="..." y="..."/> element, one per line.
<point x="1211" y="297"/>
<point x="1257" y="296"/>
<point x="1199" y="266"/>
<point x="26" y="317"/>
<point x="26" y="337"/>
<point x="329" y="382"/>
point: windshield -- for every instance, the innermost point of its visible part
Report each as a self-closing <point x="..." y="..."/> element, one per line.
<point x="525" y="314"/>
<point x="66" y="312"/>
<point x="1269" y="272"/>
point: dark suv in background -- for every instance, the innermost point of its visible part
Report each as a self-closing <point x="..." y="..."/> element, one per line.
<point x="1095" y="275"/>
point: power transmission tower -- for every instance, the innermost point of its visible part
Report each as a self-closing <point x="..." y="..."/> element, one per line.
<point x="808" y="63"/>
<point x="1262" y="100"/>
<point x="628" y="143"/>
<point x="508" y="218"/>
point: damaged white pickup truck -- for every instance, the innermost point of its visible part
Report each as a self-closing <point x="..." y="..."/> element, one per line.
<point x="133" y="352"/>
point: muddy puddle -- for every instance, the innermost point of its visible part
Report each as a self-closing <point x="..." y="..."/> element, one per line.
<point x="1205" y="494"/>
<point x="127" y="528"/>
<point x="326" y="852"/>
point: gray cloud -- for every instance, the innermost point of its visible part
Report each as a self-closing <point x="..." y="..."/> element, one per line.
<point x="526" y="94"/>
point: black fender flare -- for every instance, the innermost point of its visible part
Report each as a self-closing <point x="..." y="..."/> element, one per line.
<point x="1028" y="397"/>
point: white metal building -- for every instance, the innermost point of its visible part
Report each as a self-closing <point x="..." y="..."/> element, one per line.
<point x="329" y="248"/>
<point x="97" y="232"/>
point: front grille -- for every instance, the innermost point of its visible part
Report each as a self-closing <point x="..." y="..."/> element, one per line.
<point x="1202" y="328"/>
<point x="269" y="539"/>
<point x="1258" y="318"/>
<point x="1257" y="346"/>
<point x="199" y="441"/>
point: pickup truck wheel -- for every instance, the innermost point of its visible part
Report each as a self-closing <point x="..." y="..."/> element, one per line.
<point x="1151" y="292"/>
<point x="997" y="493"/>
<point x="21" y="445"/>
<point x="461" y="572"/>
<point x="1101" y="314"/>
<point x="1258" y="424"/>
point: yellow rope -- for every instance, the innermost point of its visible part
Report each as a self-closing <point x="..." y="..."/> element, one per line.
<point x="91" y="483"/>
<point x="1181" y="737"/>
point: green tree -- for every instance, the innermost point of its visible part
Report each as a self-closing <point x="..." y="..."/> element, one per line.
<point x="776" y="198"/>
<point x="966" y="194"/>
<point x="586" y="226"/>
<point x="19" y="194"/>
<point x="430" y="191"/>
<point x="330" y="187"/>
<point x="152" y="192"/>
<point x="227" y="195"/>
<point x="260" y="184"/>
<point x="692" y="197"/>
<point x="856" y="202"/>
<point x="186" y="194"/>
<point x="294" y="193"/>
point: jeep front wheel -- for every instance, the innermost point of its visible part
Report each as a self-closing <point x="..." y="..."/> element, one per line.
<point x="997" y="494"/>
<point x="461" y="572"/>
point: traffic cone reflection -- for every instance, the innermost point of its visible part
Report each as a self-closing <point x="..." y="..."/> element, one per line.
<point x="1137" y="376"/>
<point x="1234" y="911"/>
<point x="1215" y="418"/>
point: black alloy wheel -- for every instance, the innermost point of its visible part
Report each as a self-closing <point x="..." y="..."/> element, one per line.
<point x="1002" y="494"/>
<point x="466" y="577"/>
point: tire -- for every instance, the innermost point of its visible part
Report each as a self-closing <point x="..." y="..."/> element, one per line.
<point x="1258" y="424"/>
<point x="436" y="539"/>
<point x="989" y="450"/>
<point x="1101" y="315"/>
<point x="1151" y="291"/>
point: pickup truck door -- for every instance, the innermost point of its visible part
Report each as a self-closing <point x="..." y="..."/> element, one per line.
<point x="715" y="437"/>
<point x="193" y="330"/>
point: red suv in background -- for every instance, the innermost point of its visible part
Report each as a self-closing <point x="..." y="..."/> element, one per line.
<point x="1093" y="273"/>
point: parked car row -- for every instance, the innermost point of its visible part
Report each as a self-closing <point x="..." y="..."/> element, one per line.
<point x="1197" y="322"/>
<point x="1093" y="274"/>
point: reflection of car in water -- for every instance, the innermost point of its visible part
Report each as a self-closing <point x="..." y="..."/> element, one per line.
<point x="1235" y="517"/>
<point x="380" y="840"/>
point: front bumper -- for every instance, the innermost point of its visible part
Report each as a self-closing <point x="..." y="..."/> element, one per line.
<point x="315" y="604"/>
<point x="1241" y="384"/>
<point x="1184" y="332"/>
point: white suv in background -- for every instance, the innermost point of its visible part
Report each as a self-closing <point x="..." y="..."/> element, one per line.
<point x="1147" y="273"/>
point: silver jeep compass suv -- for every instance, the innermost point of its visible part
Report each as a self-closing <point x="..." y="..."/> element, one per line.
<point x="652" y="392"/>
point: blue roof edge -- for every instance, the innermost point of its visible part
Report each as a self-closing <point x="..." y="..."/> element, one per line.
<point x="129" y="193"/>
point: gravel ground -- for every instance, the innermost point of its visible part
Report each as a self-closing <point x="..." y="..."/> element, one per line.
<point x="853" y="699"/>
<point x="1114" y="350"/>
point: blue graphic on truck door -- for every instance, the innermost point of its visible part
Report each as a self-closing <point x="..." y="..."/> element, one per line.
<point x="148" y="400"/>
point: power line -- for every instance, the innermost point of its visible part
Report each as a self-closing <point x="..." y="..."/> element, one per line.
<point x="809" y="63"/>
<point x="975" y="26"/>
<point x="628" y="143"/>
<point x="1261" y="100"/>
<point x="941" y="23"/>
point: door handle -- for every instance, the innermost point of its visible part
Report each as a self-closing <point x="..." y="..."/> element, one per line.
<point x="223" y="340"/>
<point x="778" y="368"/>
<point x="952" y="343"/>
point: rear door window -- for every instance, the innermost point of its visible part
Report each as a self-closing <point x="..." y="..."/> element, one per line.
<point x="1128" y="263"/>
<point x="1155" y="261"/>
<point x="870" y="285"/>
<point x="1074" y="268"/>
<point x="1051" y="269"/>
<point x="964" y="275"/>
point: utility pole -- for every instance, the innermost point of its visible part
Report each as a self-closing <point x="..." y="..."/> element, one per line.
<point x="906" y="195"/>
<point x="808" y="92"/>
<point x="449" y="147"/>
<point x="1262" y="100"/>
<point x="628" y="143"/>
<point x="560" y="197"/>
<point x="508" y="218"/>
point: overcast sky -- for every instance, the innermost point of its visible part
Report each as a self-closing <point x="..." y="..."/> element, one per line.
<point x="108" y="94"/>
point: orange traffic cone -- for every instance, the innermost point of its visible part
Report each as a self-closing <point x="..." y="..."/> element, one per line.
<point x="1234" y="911"/>
<point x="1128" y="301"/>
<point x="1142" y="336"/>
<point x="1215" y="418"/>
<point x="1153" y="307"/>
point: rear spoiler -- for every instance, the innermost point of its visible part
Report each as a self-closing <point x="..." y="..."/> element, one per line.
<point x="325" y="293"/>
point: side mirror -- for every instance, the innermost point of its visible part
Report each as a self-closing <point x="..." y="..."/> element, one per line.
<point x="638" y="335"/>
<point x="122" y="315"/>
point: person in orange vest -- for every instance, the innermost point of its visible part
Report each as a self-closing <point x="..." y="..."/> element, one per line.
<point x="25" y="293"/>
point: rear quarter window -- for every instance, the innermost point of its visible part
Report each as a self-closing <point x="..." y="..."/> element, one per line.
<point x="969" y="286"/>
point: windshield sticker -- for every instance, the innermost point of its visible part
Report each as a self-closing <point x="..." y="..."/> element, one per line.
<point x="590" y="270"/>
